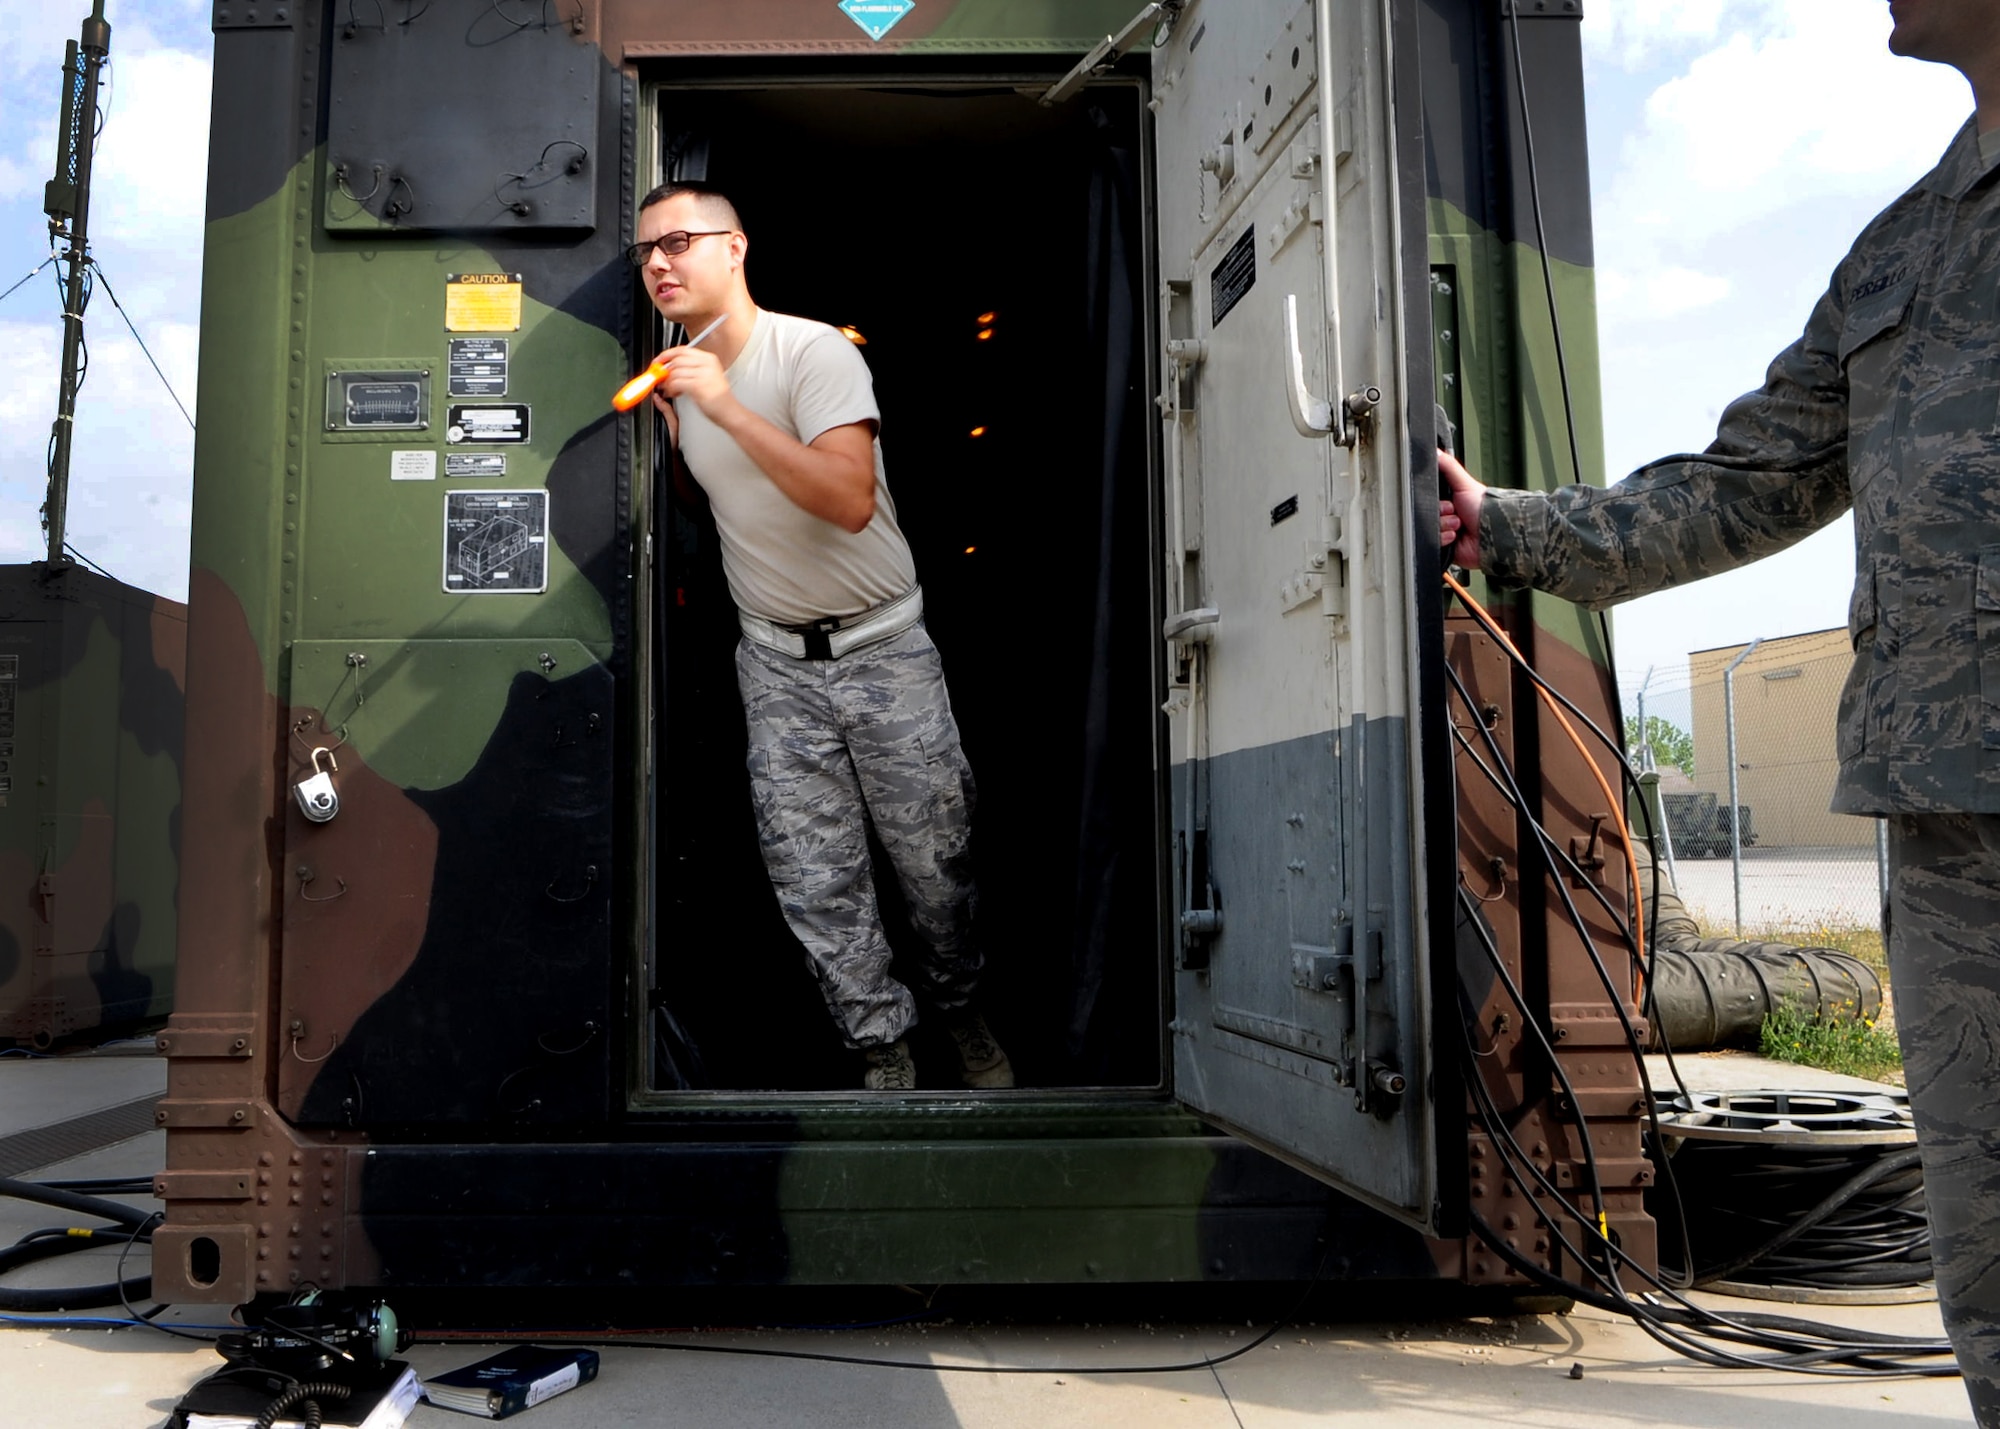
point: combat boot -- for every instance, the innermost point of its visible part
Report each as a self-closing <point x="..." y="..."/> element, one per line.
<point x="981" y="1063"/>
<point x="890" y="1068"/>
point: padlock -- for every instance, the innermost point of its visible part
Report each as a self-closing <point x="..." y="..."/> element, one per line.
<point x="318" y="799"/>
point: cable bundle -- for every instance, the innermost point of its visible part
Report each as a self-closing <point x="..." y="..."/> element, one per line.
<point x="1803" y="1220"/>
<point x="1573" y="1218"/>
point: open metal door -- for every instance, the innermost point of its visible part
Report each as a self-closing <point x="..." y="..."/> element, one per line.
<point x="1302" y="1012"/>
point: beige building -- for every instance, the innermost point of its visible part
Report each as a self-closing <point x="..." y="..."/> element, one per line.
<point x="1787" y="694"/>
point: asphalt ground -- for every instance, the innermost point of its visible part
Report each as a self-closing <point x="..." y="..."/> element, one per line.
<point x="1361" y="1357"/>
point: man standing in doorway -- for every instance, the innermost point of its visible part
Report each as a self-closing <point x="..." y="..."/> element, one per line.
<point x="1889" y="404"/>
<point x="850" y="725"/>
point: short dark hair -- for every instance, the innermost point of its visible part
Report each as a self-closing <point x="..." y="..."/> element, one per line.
<point x="714" y="202"/>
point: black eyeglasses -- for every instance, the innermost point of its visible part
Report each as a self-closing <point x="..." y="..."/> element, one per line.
<point x="670" y="244"/>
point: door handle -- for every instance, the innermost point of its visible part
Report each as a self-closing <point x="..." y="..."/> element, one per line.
<point x="1310" y="416"/>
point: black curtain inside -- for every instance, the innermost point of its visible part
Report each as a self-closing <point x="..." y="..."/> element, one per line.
<point x="1018" y="465"/>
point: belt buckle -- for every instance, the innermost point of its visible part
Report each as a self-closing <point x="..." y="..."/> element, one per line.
<point x="818" y="637"/>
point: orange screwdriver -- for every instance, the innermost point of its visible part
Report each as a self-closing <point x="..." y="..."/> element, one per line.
<point x="640" y="387"/>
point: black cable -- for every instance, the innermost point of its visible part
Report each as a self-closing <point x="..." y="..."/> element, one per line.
<point x="127" y="1226"/>
<point x="105" y="1186"/>
<point x="1556" y="858"/>
<point x="112" y="293"/>
<point x="273" y="1383"/>
<point x="308" y="1394"/>
<point x="1831" y="1344"/>
<point x="112" y="1211"/>
<point x="1758" y="1330"/>
<point x="1647" y="965"/>
<point x="73" y="551"/>
<point x="1530" y="1021"/>
<point x="1542" y="242"/>
<point x="24" y="282"/>
<point x="1869" y="1230"/>
<point x="1801" y="1343"/>
<point x="1278" y="1326"/>
<point x="147" y="1317"/>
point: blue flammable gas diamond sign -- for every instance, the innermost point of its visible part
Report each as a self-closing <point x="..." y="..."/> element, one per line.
<point x="876" y="16"/>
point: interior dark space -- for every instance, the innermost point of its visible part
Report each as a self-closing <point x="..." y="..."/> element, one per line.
<point x="989" y="250"/>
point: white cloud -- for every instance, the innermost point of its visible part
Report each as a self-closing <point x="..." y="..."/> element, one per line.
<point x="1808" y="104"/>
<point x="1666" y="293"/>
<point x="1629" y="33"/>
<point x="29" y="353"/>
<point x="1757" y="138"/>
<point x="15" y="179"/>
<point x="152" y="160"/>
<point x="131" y="457"/>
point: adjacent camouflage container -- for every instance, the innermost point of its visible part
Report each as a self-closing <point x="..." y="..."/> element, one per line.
<point x="92" y="678"/>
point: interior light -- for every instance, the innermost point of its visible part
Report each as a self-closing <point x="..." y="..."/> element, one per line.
<point x="853" y="335"/>
<point x="985" y="318"/>
<point x="985" y="333"/>
<point x="970" y="549"/>
<point x="979" y="431"/>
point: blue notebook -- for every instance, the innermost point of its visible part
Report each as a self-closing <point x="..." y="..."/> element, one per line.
<point x="511" y="1381"/>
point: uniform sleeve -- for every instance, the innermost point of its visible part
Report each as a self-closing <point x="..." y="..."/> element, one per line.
<point x="1776" y="472"/>
<point x="831" y="386"/>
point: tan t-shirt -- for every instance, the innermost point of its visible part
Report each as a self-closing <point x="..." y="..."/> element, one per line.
<point x="784" y="563"/>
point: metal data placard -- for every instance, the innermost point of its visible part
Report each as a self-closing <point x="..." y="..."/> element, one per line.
<point x="496" y="542"/>
<point x="377" y="399"/>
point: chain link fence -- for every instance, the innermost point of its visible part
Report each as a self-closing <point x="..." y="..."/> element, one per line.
<point x="1743" y="739"/>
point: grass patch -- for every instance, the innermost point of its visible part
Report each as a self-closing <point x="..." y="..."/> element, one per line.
<point x="1861" y="942"/>
<point x="1858" y="1049"/>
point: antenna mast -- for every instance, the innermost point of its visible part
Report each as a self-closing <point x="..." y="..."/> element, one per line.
<point x="68" y="206"/>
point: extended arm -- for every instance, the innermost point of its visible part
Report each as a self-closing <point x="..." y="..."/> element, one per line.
<point x="1776" y="472"/>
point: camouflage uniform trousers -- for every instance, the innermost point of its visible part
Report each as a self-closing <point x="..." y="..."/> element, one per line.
<point x="1944" y="964"/>
<point x="838" y="746"/>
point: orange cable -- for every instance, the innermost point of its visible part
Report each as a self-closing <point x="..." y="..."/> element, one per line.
<point x="1617" y="812"/>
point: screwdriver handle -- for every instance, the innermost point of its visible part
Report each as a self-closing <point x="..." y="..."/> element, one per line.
<point x="640" y="387"/>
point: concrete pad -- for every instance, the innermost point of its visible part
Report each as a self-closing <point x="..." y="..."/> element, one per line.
<point x="40" y="1091"/>
<point x="1409" y="1375"/>
<point x="1732" y="1071"/>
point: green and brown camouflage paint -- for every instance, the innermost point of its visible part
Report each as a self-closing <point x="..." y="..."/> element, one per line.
<point x="91" y="689"/>
<point x="405" y="1046"/>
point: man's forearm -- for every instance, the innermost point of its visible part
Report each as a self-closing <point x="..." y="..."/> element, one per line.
<point x="827" y="484"/>
<point x="1667" y="524"/>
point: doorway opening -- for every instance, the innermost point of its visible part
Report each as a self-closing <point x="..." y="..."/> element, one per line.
<point x="989" y="255"/>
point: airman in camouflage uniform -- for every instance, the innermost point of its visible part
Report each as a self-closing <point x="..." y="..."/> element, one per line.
<point x="1889" y="404"/>
<point x="850" y="726"/>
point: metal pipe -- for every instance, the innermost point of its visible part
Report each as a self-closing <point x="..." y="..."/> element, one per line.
<point x="1735" y="810"/>
<point x="1882" y="877"/>
<point x="1329" y="183"/>
<point x="1645" y="750"/>
<point x="77" y="136"/>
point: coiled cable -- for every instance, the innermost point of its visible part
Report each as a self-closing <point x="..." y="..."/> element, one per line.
<point x="1842" y="1219"/>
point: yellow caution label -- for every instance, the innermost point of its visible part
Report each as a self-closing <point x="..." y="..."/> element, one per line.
<point x="482" y="302"/>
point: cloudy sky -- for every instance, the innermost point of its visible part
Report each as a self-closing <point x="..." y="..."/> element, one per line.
<point x="1736" y="148"/>
<point x="133" y="449"/>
